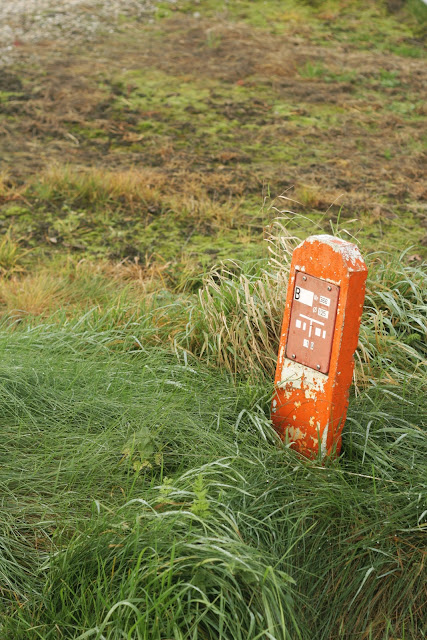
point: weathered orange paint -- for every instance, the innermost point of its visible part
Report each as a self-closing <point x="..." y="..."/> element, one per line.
<point x="309" y="408"/>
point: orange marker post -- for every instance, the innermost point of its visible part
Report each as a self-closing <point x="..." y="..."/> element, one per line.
<point x="319" y="336"/>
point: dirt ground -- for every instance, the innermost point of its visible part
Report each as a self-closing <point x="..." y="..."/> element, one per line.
<point x="337" y="126"/>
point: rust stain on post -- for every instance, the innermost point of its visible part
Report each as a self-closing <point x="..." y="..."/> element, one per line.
<point x="319" y="336"/>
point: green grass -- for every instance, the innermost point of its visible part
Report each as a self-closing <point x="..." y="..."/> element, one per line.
<point x="145" y="494"/>
<point x="350" y="22"/>
<point x="143" y="275"/>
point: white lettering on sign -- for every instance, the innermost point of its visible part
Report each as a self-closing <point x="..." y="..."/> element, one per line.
<point x="311" y="319"/>
<point x="311" y="322"/>
<point x="304" y="296"/>
<point x="324" y="300"/>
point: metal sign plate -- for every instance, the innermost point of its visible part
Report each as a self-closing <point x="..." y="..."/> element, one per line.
<point x="312" y="322"/>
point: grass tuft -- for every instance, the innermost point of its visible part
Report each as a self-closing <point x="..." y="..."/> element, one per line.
<point x="11" y="255"/>
<point x="95" y="187"/>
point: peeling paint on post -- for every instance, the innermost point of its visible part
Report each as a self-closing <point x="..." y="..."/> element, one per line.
<point x="319" y="336"/>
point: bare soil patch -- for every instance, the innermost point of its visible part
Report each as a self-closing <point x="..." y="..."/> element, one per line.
<point x="339" y="126"/>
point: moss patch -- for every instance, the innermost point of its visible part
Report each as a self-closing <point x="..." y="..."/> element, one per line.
<point x="171" y="142"/>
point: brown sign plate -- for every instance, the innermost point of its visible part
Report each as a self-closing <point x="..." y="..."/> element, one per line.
<point x="312" y="322"/>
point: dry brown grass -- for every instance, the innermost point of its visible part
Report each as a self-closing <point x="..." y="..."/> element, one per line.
<point x="73" y="286"/>
<point x="237" y="320"/>
<point x="240" y="314"/>
<point x="205" y="211"/>
<point x="11" y="255"/>
<point x="9" y="191"/>
<point x="309" y="196"/>
<point x="97" y="187"/>
<point x="206" y="199"/>
<point x="36" y="295"/>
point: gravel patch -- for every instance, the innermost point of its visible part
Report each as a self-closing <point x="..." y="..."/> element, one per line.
<point x="23" y="22"/>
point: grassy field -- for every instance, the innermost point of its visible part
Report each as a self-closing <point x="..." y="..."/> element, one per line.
<point x="152" y="189"/>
